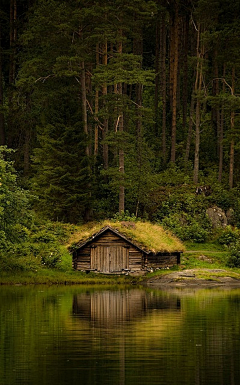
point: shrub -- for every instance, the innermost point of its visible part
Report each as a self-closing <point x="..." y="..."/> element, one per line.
<point x="188" y="228"/>
<point x="44" y="236"/>
<point x="18" y="258"/>
<point x="234" y="259"/>
<point x="126" y="216"/>
<point x="228" y="236"/>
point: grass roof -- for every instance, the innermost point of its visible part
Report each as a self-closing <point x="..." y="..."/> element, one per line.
<point x="146" y="235"/>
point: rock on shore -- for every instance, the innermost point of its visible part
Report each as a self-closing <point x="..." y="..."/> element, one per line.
<point x="195" y="278"/>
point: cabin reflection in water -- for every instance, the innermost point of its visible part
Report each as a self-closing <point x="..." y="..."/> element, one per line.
<point x="108" y="308"/>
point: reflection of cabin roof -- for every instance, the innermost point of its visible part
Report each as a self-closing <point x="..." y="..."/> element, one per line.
<point x="145" y="236"/>
<point x="115" y="231"/>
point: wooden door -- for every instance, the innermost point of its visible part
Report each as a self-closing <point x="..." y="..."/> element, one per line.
<point x="109" y="259"/>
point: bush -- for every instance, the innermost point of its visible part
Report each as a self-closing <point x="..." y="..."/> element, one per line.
<point x="188" y="228"/>
<point x="234" y="259"/>
<point x="228" y="236"/>
<point x="44" y="236"/>
<point x="126" y="216"/>
<point x="18" y="258"/>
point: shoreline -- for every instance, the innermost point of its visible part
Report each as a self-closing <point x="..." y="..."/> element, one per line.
<point x="193" y="278"/>
<point x="202" y="278"/>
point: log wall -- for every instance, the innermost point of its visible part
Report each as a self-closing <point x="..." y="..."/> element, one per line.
<point x="160" y="260"/>
<point x="82" y="257"/>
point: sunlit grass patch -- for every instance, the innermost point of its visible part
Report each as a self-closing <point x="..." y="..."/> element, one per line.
<point x="204" y="255"/>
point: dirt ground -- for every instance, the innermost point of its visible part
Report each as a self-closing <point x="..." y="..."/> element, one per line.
<point x="194" y="278"/>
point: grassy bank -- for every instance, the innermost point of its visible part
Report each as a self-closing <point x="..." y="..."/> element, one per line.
<point x="55" y="277"/>
<point x="201" y="257"/>
<point x="208" y="260"/>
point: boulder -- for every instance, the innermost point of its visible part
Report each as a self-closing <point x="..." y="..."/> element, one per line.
<point x="217" y="217"/>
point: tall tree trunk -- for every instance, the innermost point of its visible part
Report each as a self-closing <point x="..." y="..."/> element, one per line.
<point x="220" y="165"/>
<point x="88" y="209"/>
<point x="121" y="170"/>
<point x="232" y="143"/>
<point x="198" y="87"/>
<point x="105" y="123"/>
<point x="96" y="110"/>
<point x="216" y="92"/>
<point x="13" y="38"/>
<point x="96" y="124"/>
<point x="2" y="128"/>
<point x="190" y="127"/>
<point x="174" y="79"/>
<point x="185" y="70"/>
<point x="197" y="143"/>
<point x="164" y="86"/>
<point x="84" y="104"/>
<point x="138" y="50"/>
<point x="157" y="72"/>
<point x="121" y="150"/>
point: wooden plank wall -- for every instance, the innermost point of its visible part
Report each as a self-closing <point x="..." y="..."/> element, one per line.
<point x="82" y="257"/>
<point x="160" y="260"/>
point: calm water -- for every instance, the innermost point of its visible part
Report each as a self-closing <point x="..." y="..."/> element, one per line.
<point x="77" y="335"/>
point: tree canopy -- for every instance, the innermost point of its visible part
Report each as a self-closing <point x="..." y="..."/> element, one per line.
<point x="102" y="100"/>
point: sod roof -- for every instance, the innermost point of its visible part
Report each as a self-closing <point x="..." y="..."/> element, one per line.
<point x="147" y="236"/>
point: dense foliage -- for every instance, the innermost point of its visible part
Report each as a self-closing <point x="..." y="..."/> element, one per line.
<point x="113" y="106"/>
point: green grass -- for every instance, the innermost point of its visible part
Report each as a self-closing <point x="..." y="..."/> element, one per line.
<point x="145" y="234"/>
<point x="209" y="246"/>
<point x="204" y="255"/>
<point x="214" y="254"/>
<point x="55" y="277"/>
<point x="216" y="258"/>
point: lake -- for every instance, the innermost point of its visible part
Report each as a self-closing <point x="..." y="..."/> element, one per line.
<point x="110" y="335"/>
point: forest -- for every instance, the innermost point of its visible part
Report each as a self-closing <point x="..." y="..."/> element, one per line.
<point x="118" y="109"/>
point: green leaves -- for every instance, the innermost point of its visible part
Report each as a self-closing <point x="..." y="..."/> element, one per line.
<point x="14" y="205"/>
<point x="62" y="173"/>
<point x="123" y="68"/>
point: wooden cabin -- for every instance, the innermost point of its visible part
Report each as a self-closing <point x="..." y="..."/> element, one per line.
<point x="111" y="252"/>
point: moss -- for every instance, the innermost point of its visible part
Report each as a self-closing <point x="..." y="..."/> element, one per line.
<point x="148" y="236"/>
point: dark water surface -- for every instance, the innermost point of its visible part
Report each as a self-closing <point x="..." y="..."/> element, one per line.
<point x="78" y="335"/>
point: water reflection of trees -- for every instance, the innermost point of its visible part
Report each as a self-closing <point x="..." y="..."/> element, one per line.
<point x="77" y="335"/>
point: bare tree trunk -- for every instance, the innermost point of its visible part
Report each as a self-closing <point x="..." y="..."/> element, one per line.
<point x="217" y="109"/>
<point x="164" y="87"/>
<point x="138" y="50"/>
<point x="174" y="77"/>
<point x="231" y="157"/>
<point x="185" y="70"/>
<point x="197" y="143"/>
<point x="96" y="124"/>
<point x="88" y="210"/>
<point x="84" y="104"/>
<point x="121" y="151"/>
<point x="13" y="38"/>
<point x="96" y="110"/>
<point x="121" y="170"/>
<point x="232" y="143"/>
<point x="198" y="87"/>
<point x="2" y="128"/>
<point x="190" y="127"/>
<point x="171" y="59"/>
<point x="157" y="72"/>
<point x="104" y="92"/>
<point x="220" y="166"/>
